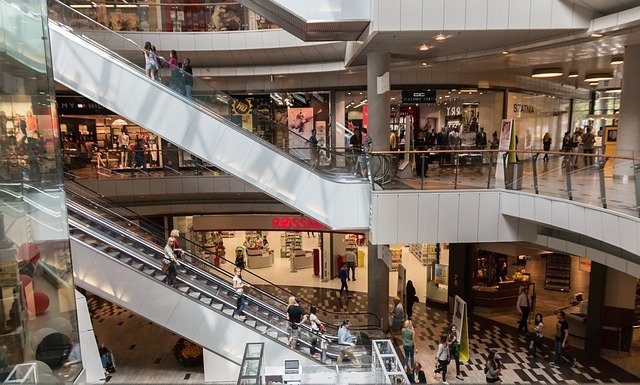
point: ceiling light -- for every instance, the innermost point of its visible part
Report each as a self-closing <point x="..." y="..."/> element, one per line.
<point x="596" y="35"/>
<point x="505" y="52"/>
<point x="547" y="73"/>
<point x="424" y="64"/>
<point x="469" y="90"/>
<point x="614" y="91"/>
<point x="593" y="84"/>
<point x="393" y="98"/>
<point x="441" y="37"/>
<point x="596" y="77"/>
<point x="424" y="47"/>
<point x="616" y="60"/>
<point x="573" y="74"/>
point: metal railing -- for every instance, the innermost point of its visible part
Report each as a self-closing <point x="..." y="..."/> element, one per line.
<point x="582" y="177"/>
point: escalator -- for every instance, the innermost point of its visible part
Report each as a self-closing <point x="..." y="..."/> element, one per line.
<point x="202" y="124"/>
<point x="124" y="266"/>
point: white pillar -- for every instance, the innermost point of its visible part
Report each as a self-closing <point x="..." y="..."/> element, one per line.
<point x="378" y="105"/>
<point x="628" y="143"/>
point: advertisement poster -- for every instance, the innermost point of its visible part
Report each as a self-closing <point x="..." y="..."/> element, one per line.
<point x="442" y="274"/>
<point x="506" y="131"/>
<point x="300" y="121"/>
<point x="365" y="116"/>
<point x="462" y="325"/>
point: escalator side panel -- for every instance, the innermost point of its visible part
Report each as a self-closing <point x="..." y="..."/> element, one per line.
<point x="179" y="313"/>
<point x="85" y="68"/>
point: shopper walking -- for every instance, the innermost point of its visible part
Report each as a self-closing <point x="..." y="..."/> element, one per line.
<point x="442" y="358"/>
<point x="522" y="307"/>
<point x="350" y="256"/>
<point x="546" y="146"/>
<point x="150" y="61"/>
<point x="492" y="368"/>
<point x="316" y="327"/>
<point x="422" y="159"/>
<point x="562" y="341"/>
<point x="576" y="143"/>
<point x="346" y="342"/>
<point x="454" y="350"/>
<point x="344" y="276"/>
<point x="588" y="141"/>
<point x="407" y="344"/>
<point x="188" y="77"/>
<point x="238" y="286"/>
<point x="535" y="344"/>
<point x="412" y="298"/>
<point x="296" y="317"/>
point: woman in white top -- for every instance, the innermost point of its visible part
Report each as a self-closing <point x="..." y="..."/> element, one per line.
<point x="536" y="338"/>
<point x="442" y="357"/>
<point x="238" y="286"/>
<point x="150" y="61"/>
<point x="316" y="327"/>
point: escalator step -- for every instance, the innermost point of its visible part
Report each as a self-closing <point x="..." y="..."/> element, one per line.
<point x="261" y="328"/>
<point x="194" y="294"/>
<point x="183" y="271"/>
<point x="136" y="265"/>
<point x="160" y="276"/>
<point x="183" y="288"/>
<point x="148" y="270"/>
<point x="228" y="311"/>
<point x="272" y="333"/>
<point x="250" y="322"/>
<point x="283" y="339"/>
<point x="205" y="300"/>
<point x="114" y="253"/>
<point x="126" y="259"/>
<point x="217" y="306"/>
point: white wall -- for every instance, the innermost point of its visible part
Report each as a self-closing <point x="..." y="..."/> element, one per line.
<point x="472" y="216"/>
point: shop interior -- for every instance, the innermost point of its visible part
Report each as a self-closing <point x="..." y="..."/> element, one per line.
<point x="91" y="135"/>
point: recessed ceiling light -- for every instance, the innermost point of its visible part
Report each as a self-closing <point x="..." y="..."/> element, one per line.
<point x="469" y="90"/>
<point x="505" y="52"/>
<point x="593" y="83"/>
<point x="424" y="47"/>
<point x="617" y="60"/>
<point x="547" y="73"/>
<point x="424" y="64"/>
<point x="596" y="77"/>
<point x="393" y="98"/>
<point x="596" y="35"/>
<point x="441" y="37"/>
<point x="614" y="91"/>
<point x="573" y="74"/>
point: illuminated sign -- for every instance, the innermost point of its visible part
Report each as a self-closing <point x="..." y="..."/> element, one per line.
<point x="297" y="223"/>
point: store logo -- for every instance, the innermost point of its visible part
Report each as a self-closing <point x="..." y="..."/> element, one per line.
<point x="241" y="107"/>
<point x="297" y="223"/>
<point x="454" y="111"/>
<point x="523" y="108"/>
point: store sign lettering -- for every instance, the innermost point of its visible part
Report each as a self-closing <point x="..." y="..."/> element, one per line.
<point x="523" y="108"/>
<point x="297" y="223"/>
<point x="241" y="107"/>
<point x="453" y="111"/>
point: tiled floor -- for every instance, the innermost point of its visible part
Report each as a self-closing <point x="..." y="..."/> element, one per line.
<point x="143" y="350"/>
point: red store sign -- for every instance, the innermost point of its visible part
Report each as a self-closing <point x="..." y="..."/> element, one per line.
<point x="297" y="223"/>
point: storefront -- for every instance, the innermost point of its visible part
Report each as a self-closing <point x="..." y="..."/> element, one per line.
<point x="273" y="246"/>
<point x="173" y="15"/>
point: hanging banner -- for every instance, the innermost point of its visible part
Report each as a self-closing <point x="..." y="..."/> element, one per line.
<point x="505" y="140"/>
<point x="462" y="325"/>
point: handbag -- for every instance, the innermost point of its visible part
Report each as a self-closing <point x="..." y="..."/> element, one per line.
<point x="239" y="292"/>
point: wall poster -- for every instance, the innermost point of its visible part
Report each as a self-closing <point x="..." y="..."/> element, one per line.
<point x="462" y="325"/>
<point x="300" y="121"/>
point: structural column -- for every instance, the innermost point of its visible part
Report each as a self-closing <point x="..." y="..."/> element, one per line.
<point x="610" y="311"/>
<point x="628" y="143"/>
<point x="378" y="105"/>
<point x="377" y="287"/>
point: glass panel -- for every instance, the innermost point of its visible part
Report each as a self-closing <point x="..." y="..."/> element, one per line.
<point x="254" y="351"/>
<point x="290" y="130"/>
<point x="38" y="311"/>
<point x="250" y="368"/>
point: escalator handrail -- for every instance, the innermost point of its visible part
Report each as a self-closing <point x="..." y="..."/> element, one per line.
<point x="193" y="103"/>
<point x="184" y="263"/>
<point x="207" y="263"/>
<point x="152" y="264"/>
<point x="133" y="254"/>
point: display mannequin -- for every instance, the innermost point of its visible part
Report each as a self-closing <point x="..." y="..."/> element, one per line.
<point x="123" y="143"/>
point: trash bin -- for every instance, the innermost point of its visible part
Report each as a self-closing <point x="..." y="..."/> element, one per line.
<point x="513" y="176"/>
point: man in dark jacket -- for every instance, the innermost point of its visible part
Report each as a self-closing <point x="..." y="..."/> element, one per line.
<point x="188" y="77"/>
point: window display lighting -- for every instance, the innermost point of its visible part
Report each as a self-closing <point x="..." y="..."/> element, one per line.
<point x="596" y="77"/>
<point x="617" y="60"/>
